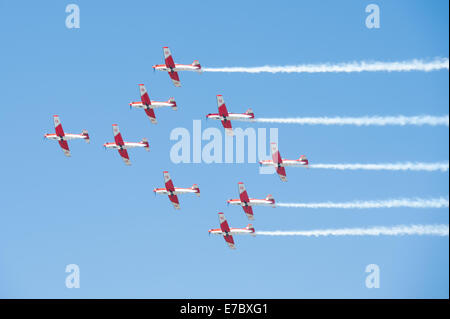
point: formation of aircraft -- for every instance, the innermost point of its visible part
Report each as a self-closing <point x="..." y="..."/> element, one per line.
<point x="172" y="191"/>
<point x="280" y="163"/>
<point x="122" y="146"/>
<point x="247" y="202"/>
<point x="62" y="137"/>
<point x="228" y="232"/>
<point x="172" y="68"/>
<point x="149" y="105"/>
<point x="226" y="117"/>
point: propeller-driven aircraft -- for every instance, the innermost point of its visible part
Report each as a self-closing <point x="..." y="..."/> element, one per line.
<point x="122" y="146"/>
<point x="172" y="191"/>
<point x="227" y="232"/>
<point x="149" y="105"/>
<point x="280" y="163"/>
<point x="173" y="68"/>
<point x="62" y="137"/>
<point x="226" y="117"/>
<point x="247" y="202"/>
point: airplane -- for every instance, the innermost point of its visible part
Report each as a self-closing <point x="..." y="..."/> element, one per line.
<point x="227" y="232"/>
<point x="62" y="137"/>
<point x="172" y="67"/>
<point x="148" y="105"/>
<point x="247" y="202"/>
<point x="280" y="163"/>
<point x="226" y="117"/>
<point x="122" y="146"/>
<point x="172" y="191"/>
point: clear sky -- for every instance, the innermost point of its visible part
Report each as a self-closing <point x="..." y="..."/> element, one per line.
<point x="93" y="211"/>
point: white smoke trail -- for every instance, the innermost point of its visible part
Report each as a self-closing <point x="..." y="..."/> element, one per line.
<point x="362" y="121"/>
<point x="407" y="166"/>
<point x="364" y="66"/>
<point x="392" y="203"/>
<point x="433" y="230"/>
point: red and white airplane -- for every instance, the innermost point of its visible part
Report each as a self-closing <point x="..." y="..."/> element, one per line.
<point x="122" y="146"/>
<point x="148" y="105"/>
<point x="62" y="137"/>
<point x="247" y="202"/>
<point x="280" y="163"/>
<point x="172" y="67"/>
<point x="227" y="232"/>
<point x="226" y="117"/>
<point x="172" y="191"/>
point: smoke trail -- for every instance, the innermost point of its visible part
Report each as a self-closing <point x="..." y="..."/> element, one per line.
<point x="364" y="66"/>
<point x="407" y="166"/>
<point x="362" y="121"/>
<point x="392" y="203"/>
<point x="432" y="230"/>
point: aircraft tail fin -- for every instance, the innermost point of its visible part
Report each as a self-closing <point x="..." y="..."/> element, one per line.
<point x="250" y="112"/>
<point x="146" y="144"/>
<point x="197" y="64"/>
<point x="271" y="199"/>
<point x="251" y="228"/>
<point x="304" y="159"/>
<point x="174" y="104"/>
<point x="196" y="189"/>
<point x="86" y="135"/>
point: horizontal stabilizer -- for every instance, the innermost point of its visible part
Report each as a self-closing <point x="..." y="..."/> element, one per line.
<point x="86" y="135"/>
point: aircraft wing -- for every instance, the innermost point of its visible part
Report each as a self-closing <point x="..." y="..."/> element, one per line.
<point x="227" y="124"/>
<point x="174" y="200"/>
<point x="170" y="188"/>
<point x="230" y="241"/>
<point x="170" y="64"/>
<point x="58" y="126"/>
<point x="223" y="223"/>
<point x="282" y="173"/>
<point x="221" y="105"/>
<point x="223" y="112"/>
<point x="65" y="147"/>
<point x="226" y="229"/>
<point x="125" y="157"/>
<point x="151" y="115"/>
<point x="175" y="78"/>
<point x="144" y="95"/>
<point x="276" y="157"/>
<point x="249" y="212"/>
<point x="168" y="60"/>
<point x="168" y="182"/>
<point x="243" y="193"/>
<point x="117" y="136"/>
<point x="60" y="133"/>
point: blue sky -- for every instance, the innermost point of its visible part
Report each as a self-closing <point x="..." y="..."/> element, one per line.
<point x="93" y="211"/>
